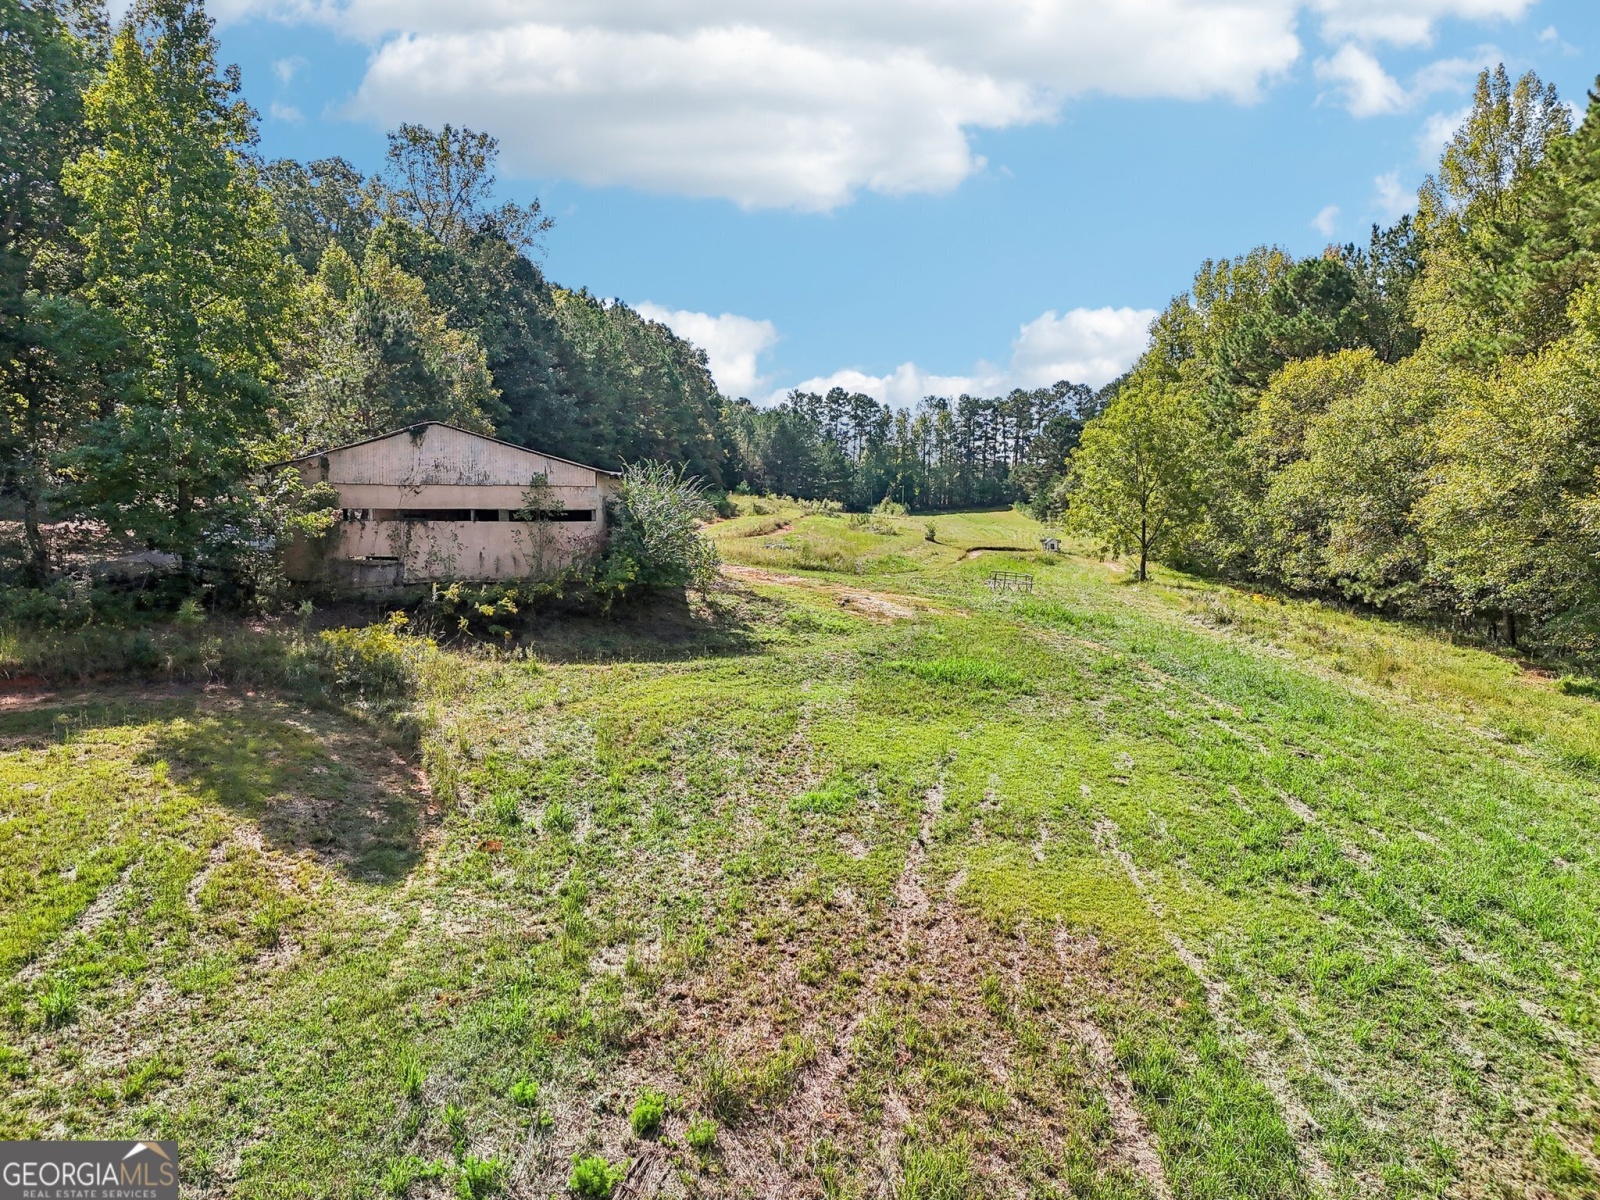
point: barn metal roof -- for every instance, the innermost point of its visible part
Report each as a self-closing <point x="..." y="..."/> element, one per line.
<point x="289" y="462"/>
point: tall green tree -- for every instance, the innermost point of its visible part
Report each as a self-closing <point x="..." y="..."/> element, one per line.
<point x="1559" y="250"/>
<point x="1513" y="508"/>
<point x="444" y="183"/>
<point x="183" y="250"/>
<point x="321" y="204"/>
<point x="375" y="355"/>
<point x="1136" y="480"/>
<point x="1472" y="216"/>
<point x="49" y="347"/>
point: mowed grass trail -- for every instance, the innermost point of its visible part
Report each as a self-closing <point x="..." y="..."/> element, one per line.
<point x="854" y="880"/>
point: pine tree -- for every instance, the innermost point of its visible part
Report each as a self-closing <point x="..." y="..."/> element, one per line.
<point x="182" y="248"/>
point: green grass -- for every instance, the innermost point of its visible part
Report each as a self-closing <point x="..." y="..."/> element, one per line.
<point x="914" y="888"/>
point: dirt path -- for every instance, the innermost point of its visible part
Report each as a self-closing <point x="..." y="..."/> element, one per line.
<point x="882" y="606"/>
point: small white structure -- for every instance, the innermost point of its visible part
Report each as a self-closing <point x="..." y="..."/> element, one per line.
<point x="434" y="502"/>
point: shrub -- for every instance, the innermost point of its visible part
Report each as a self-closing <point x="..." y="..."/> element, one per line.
<point x="64" y="604"/>
<point x="822" y="508"/>
<point x="524" y="1093"/>
<point x="930" y="532"/>
<point x="656" y="540"/>
<point x="594" y="1178"/>
<point x="377" y="662"/>
<point x="701" y="1134"/>
<point x="645" y="1120"/>
<point x="889" y="508"/>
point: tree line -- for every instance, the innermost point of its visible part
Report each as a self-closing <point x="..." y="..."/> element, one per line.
<point x="945" y="453"/>
<point x="176" y="313"/>
<point x="1413" y="424"/>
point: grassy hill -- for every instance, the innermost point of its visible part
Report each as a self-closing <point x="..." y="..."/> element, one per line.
<point x="900" y="885"/>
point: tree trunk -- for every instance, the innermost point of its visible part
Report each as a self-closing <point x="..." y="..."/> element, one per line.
<point x="1144" y="547"/>
<point x="1511" y="629"/>
<point x="38" y="566"/>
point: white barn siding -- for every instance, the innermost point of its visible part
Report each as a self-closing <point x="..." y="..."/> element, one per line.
<point x="388" y="485"/>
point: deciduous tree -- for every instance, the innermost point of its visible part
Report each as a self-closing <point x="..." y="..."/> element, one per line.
<point x="1136" y="480"/>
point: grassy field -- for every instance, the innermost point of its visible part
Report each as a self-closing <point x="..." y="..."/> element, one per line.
<point x="853" y="879"/>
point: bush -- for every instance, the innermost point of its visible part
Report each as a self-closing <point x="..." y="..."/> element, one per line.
<point x="594" y="1178"/>
<point x="889" y="508"/>
<point x="64" y="604"/>
<point x="497" y="610"/>
<point x="375" y="663"/>
<point x="645" y="1120"/>
<point x="524" y="1093"/>
<point x="656" y="540"/>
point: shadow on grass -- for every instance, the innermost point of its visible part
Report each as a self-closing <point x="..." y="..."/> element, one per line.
<point x="665" y="627"/>
<point x="309" y="780"/>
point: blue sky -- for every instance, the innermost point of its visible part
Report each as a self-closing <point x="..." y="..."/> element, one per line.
<point x="912" y="195"/>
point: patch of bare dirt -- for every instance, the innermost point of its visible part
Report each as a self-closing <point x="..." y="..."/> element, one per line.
<point x="925" y="964"/>
<point x="882" y="606"/>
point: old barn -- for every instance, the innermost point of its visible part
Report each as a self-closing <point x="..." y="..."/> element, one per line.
<point x="437" y="502"/>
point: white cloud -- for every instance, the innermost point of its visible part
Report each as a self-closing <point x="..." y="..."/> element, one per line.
<point x="901" y="388"/>
<point x="1406" y="22"/>
<point x="1392" y="199"/>
<point x="1436" y="133"/>
<point x="1365" y="87"/>
<point x="1326" y="221"/>
<point x="733" y="344"/>
<point x="285" y="112"/>
<point x="807" y="103"/>
<point x="287" y="68"/>
<point x="1367" y="90"/>
<point x="1085" y="345"/>
<point x="736" y="113"/>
